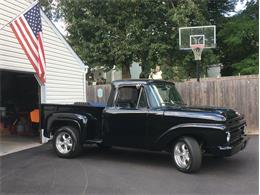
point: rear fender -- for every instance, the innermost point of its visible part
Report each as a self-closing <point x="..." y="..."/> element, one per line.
<point x="208" y="134"/>
<point x="57" y="120"/>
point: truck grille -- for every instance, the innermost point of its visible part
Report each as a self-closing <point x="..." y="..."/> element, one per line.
<point x="236" y="134"/>
<point x="236" y="128"/>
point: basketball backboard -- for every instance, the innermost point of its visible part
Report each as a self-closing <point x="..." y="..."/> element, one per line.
<point x="201" y="36"/>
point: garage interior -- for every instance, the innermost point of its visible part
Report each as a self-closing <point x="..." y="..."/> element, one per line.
<point x="19" y="110"/>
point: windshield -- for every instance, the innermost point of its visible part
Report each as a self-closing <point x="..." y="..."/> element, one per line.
<point x="165" y="94"/>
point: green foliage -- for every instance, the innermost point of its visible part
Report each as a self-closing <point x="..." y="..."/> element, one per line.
<point x="111" y="33"/>
<point x="217" y="10"/>
<point x="239" y="42"/>
<point x="249" y="65"/>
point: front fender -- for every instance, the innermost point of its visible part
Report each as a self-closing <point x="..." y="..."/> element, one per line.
<point x="209" y="134"/>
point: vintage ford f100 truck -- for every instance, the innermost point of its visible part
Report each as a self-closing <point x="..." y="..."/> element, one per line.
<point x="147" y="114"/>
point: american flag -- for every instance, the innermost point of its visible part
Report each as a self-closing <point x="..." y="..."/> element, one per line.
<point x="28" y="31"/>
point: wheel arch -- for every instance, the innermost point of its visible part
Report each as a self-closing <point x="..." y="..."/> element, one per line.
<point x="204" y="134"/>
<point x="57" y="120"/>
<point x="199" y="138"/>
<point x="64" y="122"/>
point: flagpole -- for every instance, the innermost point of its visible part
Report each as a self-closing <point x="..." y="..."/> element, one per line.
<point x="33" y="4"/>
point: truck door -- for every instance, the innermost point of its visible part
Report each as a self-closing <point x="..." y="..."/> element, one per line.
<point x="125" y="123"/>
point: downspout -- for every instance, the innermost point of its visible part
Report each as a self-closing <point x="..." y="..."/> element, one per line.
<point x="85" y="71"/>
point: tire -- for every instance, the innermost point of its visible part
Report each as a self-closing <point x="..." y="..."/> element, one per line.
<point x="186" y="155"/>
<point x="66" y="142"/>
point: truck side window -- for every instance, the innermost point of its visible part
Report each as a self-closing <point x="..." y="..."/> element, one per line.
<point x="143" y="100"/>
<point x="127" y="97"/>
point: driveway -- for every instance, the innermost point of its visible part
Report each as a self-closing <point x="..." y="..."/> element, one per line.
<point x="10" y="144"/>
<point x="125" y="171"/>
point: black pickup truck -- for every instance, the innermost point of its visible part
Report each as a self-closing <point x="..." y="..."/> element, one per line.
<point x="148" y="114"/>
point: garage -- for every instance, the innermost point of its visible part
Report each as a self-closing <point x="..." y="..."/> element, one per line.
<point x="18" y="103"/>
<point x="21" y="92"/>
<point x="19" y="111"/>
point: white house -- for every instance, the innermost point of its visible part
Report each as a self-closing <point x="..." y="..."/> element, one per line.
<point x="19" y="89"/>
<point x="65" y="72"/>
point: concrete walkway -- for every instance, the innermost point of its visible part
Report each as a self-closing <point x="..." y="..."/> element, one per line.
<point x="10" y="144"/>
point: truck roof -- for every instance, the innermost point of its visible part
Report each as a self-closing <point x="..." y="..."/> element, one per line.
<point x="137" y="81"/>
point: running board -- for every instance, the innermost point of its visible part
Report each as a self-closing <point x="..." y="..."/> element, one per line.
<point x="94" y="141"/>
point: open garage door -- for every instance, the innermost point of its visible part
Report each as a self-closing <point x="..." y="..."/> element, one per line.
<point x="19" y="110"/>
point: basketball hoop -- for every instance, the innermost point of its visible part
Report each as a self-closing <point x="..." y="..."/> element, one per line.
<point x="197" y="50"/>
<point x="197" y="38"/>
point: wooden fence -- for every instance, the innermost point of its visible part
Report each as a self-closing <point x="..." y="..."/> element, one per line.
<point x="239" y="93"/>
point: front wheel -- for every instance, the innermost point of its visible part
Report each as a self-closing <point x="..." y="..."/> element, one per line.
<point x="186" y="155"/>
<point x="66" y="142"/>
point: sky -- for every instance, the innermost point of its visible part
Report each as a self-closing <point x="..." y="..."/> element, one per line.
<point x="239" y="7"/>
<point x="60" y="25"/>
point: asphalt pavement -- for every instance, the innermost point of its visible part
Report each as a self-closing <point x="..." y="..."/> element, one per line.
<point x="126" y="171"/>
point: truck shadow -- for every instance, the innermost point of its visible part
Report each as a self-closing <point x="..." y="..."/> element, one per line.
<point x="127" y="155"/>
<point x="158" y="159"/>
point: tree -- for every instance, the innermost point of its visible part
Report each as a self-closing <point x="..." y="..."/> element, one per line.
<point x="117" y="32"/>
<point x="114" y="32"/>
<point x="50" y="8"/>
<point x="217" y="10"/>
<point x="98" y="31"/>
<point x="239" y="42"/>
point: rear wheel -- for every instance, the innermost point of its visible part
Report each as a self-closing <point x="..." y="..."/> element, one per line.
<point x="66" y="142"/>
<point x="186" y="154"/>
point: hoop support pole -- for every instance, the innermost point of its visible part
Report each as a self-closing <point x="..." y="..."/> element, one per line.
<point x="198" y="70"/>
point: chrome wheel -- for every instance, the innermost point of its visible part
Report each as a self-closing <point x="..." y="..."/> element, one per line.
<point x="182" y="155"/>
<point x="64" y="143"/>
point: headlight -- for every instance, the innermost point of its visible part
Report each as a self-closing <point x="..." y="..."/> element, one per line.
<point x="237" y="113"/>
<point x="228" y="136"/>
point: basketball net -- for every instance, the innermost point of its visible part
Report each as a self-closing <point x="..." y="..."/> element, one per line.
<point x="197" y="50"/>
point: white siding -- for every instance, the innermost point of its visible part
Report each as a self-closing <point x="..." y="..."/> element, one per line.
<point x="65" y="78"/>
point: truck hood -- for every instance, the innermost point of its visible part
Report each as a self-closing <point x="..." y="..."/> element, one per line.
<point x="208" y="113"/>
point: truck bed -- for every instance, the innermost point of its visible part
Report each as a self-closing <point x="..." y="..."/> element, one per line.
<point x="96" y="111"/>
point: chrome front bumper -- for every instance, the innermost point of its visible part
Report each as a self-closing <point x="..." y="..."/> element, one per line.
<point x="234" y="148"/>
